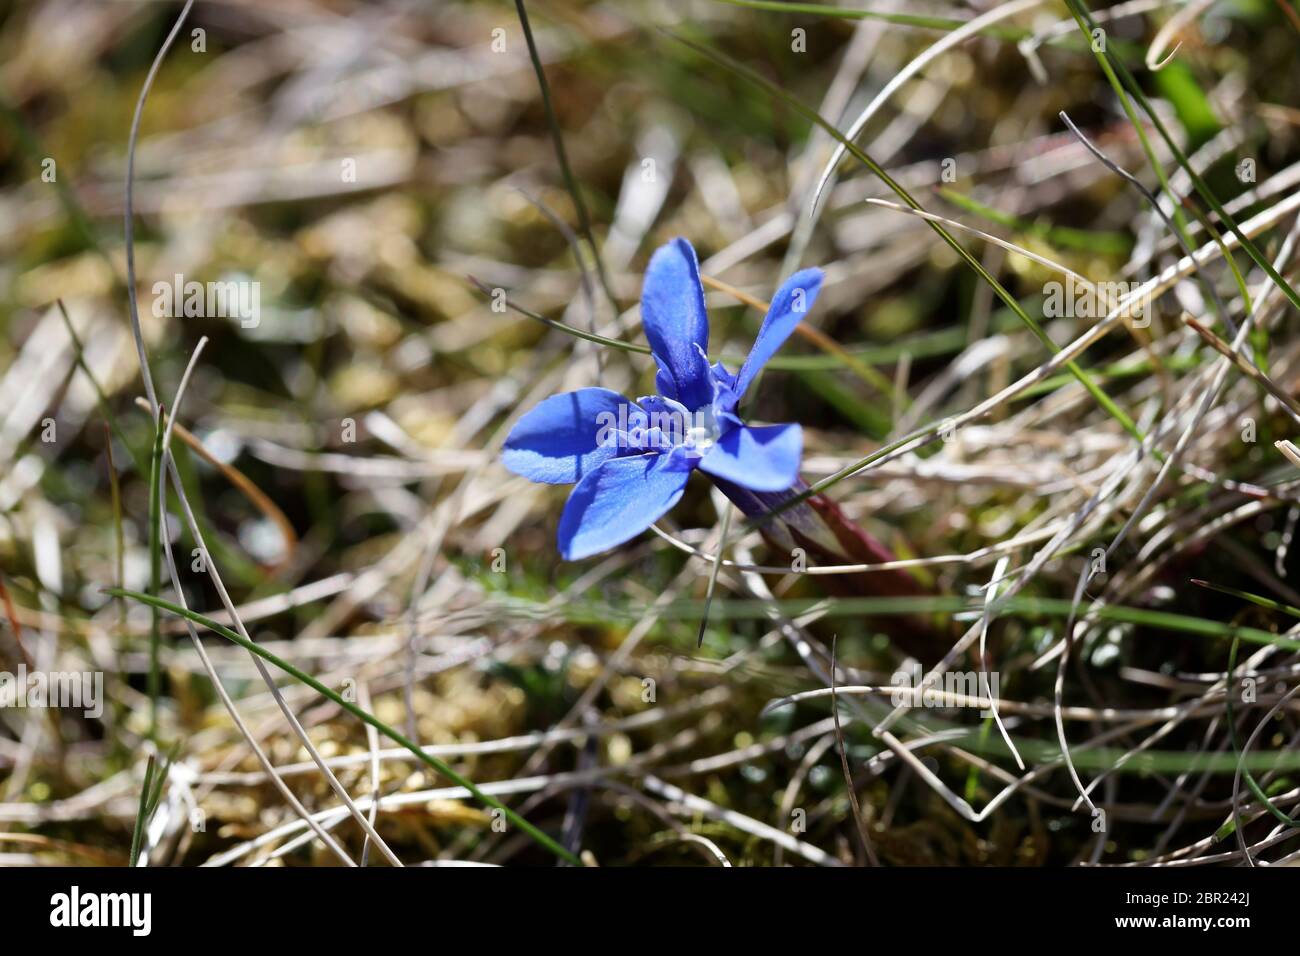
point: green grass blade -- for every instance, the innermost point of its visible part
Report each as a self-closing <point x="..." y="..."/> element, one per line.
<point x="557" y="136"/>
<point x="155" y="570"/>
<point x="142" y="813"/>
<point x="560" y="326"/>
<point x="1084" y="240"/>
<point x="739" y="609"/>
<point x="1247" y="596"/>
<point x="944" y="24"/>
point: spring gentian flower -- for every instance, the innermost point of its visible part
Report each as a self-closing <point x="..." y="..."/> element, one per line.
<point x="631" y="460"/>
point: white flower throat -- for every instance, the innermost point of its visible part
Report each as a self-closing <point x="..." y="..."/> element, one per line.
<point x="704" y="431"/>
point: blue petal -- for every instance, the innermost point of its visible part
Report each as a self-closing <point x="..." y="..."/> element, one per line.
<point x="790" y="304"/>
<point x="618" y="501"/>
<point x="676" y="325"/>
<point x="559" y="441"/>
<point x="764" y="458"/>
<point x="664" y="380"/>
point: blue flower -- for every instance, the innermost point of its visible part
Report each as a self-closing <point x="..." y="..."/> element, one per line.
<point x="631" y="460"/>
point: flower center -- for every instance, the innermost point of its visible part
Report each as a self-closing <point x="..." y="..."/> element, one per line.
<point x="704" y="431"/>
